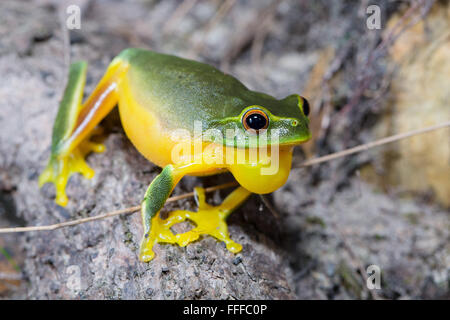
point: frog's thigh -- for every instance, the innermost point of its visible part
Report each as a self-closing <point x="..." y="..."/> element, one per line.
<point x="97" y="106"/>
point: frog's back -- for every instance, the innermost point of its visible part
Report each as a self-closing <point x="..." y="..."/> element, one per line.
<point x="179" y="91"/>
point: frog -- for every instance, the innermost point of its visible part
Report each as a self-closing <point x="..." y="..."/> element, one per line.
<point x="190" y="119"/>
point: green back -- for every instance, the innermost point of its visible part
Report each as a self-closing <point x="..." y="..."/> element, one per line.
<point x="181" y="91"/>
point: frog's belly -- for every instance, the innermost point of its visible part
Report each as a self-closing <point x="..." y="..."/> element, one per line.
<point x="143" y="129"/>
<point x="146" y="132"/>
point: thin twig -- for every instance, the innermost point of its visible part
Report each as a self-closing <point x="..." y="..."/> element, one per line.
<point x="269" y="206"/>
<point x="109" y="214"/>
<point x="373" y="144"/>
<point x="230" y="184"/>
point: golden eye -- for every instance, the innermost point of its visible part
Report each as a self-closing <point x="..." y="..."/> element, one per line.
<point x="255" y="119"/>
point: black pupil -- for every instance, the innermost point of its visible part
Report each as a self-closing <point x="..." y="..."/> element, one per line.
<point x="305" y="107"/>
<point x="256" y="121"/>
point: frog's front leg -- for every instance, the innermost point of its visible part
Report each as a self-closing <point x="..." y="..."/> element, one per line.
<point x="209" y="220"/>
<point x="75" y="123"/>
<point x="156" y="229"/>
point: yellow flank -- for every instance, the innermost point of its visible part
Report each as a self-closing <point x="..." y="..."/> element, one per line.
<point x="154" y="141"/>
<point x="208" y="220"/>
<point x="143" y="128"/>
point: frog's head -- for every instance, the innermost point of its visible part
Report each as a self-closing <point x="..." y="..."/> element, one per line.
<point x="278" y="124"/>
<point x="284" y="122"/>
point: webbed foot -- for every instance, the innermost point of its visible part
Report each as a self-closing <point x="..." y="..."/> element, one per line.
<point x="60" y="168"/>
<point x="208" y="220"/>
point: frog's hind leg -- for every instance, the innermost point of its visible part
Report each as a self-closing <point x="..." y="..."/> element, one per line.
<point x="74" y="125"/>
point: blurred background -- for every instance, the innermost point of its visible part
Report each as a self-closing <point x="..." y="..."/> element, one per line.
<point x="365" y="79"/>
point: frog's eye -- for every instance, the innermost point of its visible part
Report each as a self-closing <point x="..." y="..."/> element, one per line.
<point x="255" y="119"/>
<point x="305" y="107"/>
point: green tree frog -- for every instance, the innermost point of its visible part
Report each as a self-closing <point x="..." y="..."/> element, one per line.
<point x="188" y="118"/>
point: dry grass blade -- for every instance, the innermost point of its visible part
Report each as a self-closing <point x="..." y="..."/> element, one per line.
<point x="109" y="214"/>
<point x="373" y="144"/>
